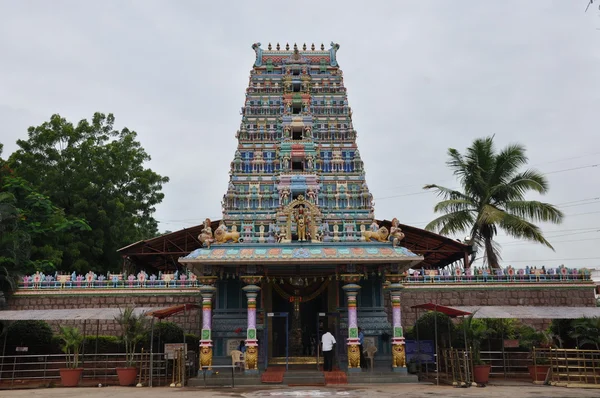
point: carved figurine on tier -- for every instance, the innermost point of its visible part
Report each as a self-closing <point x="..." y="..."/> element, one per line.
<point x="301" y="224"/>
<point x="396" y="234"/>
<point x="206" y="235"/>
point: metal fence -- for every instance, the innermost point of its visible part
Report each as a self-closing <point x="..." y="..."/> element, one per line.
<point x="19" y="370"/>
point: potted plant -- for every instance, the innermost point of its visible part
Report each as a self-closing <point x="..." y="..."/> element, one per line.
<point x="133" y="330"/>
<point x="475" y="332"/>
<point x="531" y="339"/>
<point x="71" y="341"/>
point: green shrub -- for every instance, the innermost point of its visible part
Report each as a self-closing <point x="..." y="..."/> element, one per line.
<point x="106" y="345"/>
<point x="164" y="333"/>
<point x="36" y="335"/>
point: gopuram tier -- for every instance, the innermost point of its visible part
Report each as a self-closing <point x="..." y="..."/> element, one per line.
<point x="298" y="225"/>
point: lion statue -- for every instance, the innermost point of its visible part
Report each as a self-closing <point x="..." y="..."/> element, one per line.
<point x="399" y="358"/>
<point x="380" y="235"/>
<point x="222" y="236"/>
<point x="251" y="357"/>
<point x="206" y="357"/>
<point x="354" y="356"/>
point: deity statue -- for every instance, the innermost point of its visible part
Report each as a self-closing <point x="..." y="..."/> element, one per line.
<point x="285" y="195"/>
<point x="287" y="130"/>
<point x="286" y="162"/>
<point x="307" y="132"/>
<point x="301" y="224"/>
<point x="261" y="233"/>
<point x="311" y="195"/>
<point x="206" y="234"/>
<point x="281" y="235"/>
<point x="396" y="234"/>
<point x="309" y="162"/>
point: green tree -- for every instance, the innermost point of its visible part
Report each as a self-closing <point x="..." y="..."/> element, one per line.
<point x="95" y="173"/>
<point x="586" y="331"/>
<point x="493" y="198"/>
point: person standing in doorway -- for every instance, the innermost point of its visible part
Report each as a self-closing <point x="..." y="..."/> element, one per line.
<point x="328" y="342"/>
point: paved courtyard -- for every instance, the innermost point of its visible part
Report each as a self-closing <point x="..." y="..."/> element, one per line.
<point x="395" y="390"/>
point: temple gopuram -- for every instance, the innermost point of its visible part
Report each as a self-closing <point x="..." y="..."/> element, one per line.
<point x="298" y="225"/>
<point x="298" y="250"/>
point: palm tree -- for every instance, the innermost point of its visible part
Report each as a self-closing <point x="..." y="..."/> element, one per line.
<point x="492" y="198"/>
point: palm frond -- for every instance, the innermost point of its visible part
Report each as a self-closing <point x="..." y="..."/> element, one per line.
<point x="459" y="221"/>
<point x="535" y="211"/>
<point x="454" y="205"/>
<point x="447" y="193"/>
<point x="523" y="229"/>
<point x="519" y="185"/>
<point x="508" y="162"/>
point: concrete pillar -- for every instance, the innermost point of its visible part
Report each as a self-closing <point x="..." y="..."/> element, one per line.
<point x="206" y="345"/>
<point x="251" y="356"/>
<point x="351" y="290"/>
<point x="398" y="349"/>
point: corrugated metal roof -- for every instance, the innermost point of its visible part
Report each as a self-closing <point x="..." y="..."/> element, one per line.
<point x="530" y="312"/>
<point x="70" y="314"/>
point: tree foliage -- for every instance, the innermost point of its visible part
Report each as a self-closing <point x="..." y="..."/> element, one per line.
<point x="493" y="198"/>
<point x="94" y="173"/>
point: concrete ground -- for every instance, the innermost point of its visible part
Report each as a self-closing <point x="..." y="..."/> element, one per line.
<point x="511" y="390"/>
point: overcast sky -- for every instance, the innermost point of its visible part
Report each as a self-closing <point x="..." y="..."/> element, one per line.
<point x="422" y="76"/>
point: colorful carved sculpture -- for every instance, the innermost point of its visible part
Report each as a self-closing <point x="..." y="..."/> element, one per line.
<point x="354" y="356"/>
<point x="222" y="236"/>
<point x="396" y="234"/>
<point x="398" y="356"/>
<point x="252" y="357"/>
<point x="380" y="235"/>
<point x="206" y="235"/>
<point x="206" y="357"/>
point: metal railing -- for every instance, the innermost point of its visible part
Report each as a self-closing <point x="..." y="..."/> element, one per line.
<point x="18" y="370"/>
<point x="508" y="364"/>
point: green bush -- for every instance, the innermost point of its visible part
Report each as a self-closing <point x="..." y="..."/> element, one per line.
<point x="36" y="335"/>
<point x="164" y="333"/>
<point x="425" y="328"/>
<point x="106" y="345"/>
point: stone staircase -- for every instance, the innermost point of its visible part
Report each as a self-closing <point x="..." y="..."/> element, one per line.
<point x="304" y="378"/>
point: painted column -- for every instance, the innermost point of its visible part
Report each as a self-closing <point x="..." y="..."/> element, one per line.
<point x="251" y="356"/>
<point x="206" y="353"/>
<point x="398" y="349"/>
<point x="353" y="342"/>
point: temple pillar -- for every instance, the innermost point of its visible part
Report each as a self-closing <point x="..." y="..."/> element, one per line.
<point x="398" y="348"/>
<point x="351" y="289"/>
<point x="251" y="356"/>
<point x="206" y="353"/>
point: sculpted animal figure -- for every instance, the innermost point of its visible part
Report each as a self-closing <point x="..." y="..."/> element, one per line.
<point x="398" y="356"/>
<point x="354" y="356"/>
<point x="206" y="357"/>
<point x="251" y="357"/>
<point x="222" y="236"/>
<point x="380" y="235"/>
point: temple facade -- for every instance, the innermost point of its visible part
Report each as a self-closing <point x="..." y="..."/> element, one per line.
<point x="298" y="242"/>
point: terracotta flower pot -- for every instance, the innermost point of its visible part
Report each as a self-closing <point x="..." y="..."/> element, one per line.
<point x="481" y="373"/>
<point x="538" y="372"/>
<point x="69" y="377"/>
<point x="127" y="376"/>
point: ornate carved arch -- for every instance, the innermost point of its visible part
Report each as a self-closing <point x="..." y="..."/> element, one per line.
<point x="311" y="212"/>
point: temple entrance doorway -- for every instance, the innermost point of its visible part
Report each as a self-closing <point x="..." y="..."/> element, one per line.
<point x="302" y="302"/>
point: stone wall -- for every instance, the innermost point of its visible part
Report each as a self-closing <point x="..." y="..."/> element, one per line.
<point x="190" y="322"/>
<point x="580" y="295"/>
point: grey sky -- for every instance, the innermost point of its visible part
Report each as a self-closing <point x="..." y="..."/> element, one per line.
<point x="422" y="76"/>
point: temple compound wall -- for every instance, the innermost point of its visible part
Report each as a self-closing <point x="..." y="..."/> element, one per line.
<point x="482" y="294"/>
